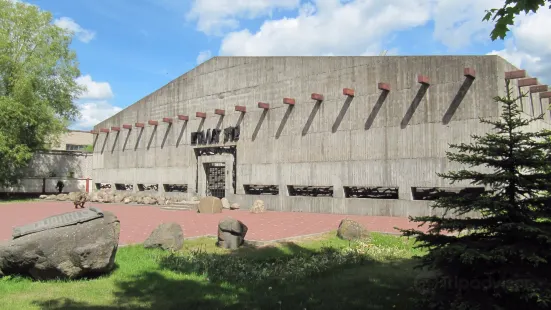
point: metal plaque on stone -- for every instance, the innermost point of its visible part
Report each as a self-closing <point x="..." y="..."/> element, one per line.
<point x="56" y="221"/>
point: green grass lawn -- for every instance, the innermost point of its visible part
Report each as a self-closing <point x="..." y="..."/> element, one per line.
<point x="317" y="273"/>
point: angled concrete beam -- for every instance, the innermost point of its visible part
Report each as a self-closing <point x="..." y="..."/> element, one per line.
<point x="348" y="92"/>
<point x="104" y="130"/>
<point x="114" y="128"/>
<point x="127" y="126"/>
<point x="220" y="112"/>
<point x="240" y="108"/>
<point x="263" y="105"/>
<point x="317" y="97"/>
<point x="94" y="132"/>
<point x="546" y="94"/>
<point x="469" y="72"/>
<point x="517" y="74"/>
<point x="167" y="120"/>
<point x="423" y="79"/>
<point x="538" y="88"/>
<point x="289" y="101"/>
<point x="200" y="114"/>
<point x="527" y="82"/>
<point x="383" y="86"/>
<point x="139" y="125"/>
<point x="183" y="117"/>
<point x="153" y="123"/>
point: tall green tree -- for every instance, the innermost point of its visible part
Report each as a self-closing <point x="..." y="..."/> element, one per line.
<point x="37" y="85"/>
<point x="504" y="17"/>
<point x="500" y="259"/>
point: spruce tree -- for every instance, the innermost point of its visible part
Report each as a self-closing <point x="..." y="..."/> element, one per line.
<point x="492" y="250"/>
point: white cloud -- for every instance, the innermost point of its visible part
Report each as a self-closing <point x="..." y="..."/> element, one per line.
<point x="458" y="23"/>
<point x="330" y="27"/>
<point x="215" y="16"/>
<point x="93" y="113"/>
<point x="94" y="90"/>
<point x="69" y="24"/>
<point x="528" y="45"/>
<point x="203" y="55"/>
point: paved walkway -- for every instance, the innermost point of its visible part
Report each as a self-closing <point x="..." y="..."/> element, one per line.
<point x="138" y="221"/>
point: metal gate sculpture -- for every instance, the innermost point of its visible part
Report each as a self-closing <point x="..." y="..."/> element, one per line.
<point x="216" y="179"/>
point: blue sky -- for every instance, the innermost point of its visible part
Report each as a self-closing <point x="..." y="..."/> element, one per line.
<point x="129" y="48"/>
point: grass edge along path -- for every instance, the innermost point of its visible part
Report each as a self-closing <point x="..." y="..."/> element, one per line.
<point x="321" y="272"/>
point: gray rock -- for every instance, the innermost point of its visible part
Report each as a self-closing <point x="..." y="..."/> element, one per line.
<point x="43" y="196"/>
<point x="210" y="205"/>
<point x="235" y="206"/>
<point x="225" y="203"/>
<point x="167" y="236"/>
<point x="72" y="251"/>
<point x="258" y="207"/>
<point x="119" y="197"/>
<point x="149" y="200"/>
<point x="62" y="197"/>
<point x="72" y="196"/>
<point x="231" y="233"/>
<point x="351" y="230"/>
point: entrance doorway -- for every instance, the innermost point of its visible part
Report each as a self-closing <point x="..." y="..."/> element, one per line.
<point x="216" y="179"/>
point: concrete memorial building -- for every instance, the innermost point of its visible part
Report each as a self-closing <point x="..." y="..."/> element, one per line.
<point x="348" y="135"/>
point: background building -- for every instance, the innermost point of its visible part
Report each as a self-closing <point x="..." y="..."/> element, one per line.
<point x="68" y="161"/>
<point x="74" y="140"/>
<point x="356" y="135"/>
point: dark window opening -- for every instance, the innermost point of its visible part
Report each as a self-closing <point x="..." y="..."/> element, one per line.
<point x="103" y="185"/>
<point x="433" y="193"/>
<point x="314" y="191"/>
<point x="372" y="192"/>
<point x="182" y="188"/>
<point x="148" y="187"/>
<point x="253" y="189"/>
<point x="124" y="187"/>
<point x="74" y="147"/>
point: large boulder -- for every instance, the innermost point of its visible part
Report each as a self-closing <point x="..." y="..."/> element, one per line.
<point x="210" y="205"/>
<point x="225" y="203"/>
<point x="167" y="236"/>
<point x="231" y="233"/>
<point x="351" y="230"/>
<point x="66" y="246"/>
<point x="258" y="207"/>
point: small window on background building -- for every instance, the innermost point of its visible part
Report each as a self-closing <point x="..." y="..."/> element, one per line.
<point x="74" y="147"/>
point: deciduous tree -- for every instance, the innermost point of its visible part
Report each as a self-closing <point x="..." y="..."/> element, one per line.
<point x="37" y="84"/>
<point x="504" y="17"/>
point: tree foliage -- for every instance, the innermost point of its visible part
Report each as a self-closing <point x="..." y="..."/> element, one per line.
<point x="493" y="250"/>
<point x="37" y="84"/>
<point x="504" y="17"/>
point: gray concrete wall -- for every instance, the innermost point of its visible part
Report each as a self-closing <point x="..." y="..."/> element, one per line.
<point x="60" y="164"/>
<point x="359" y="141"/>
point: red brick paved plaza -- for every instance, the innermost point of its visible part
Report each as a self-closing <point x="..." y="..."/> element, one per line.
<point x="138" y="221"/>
